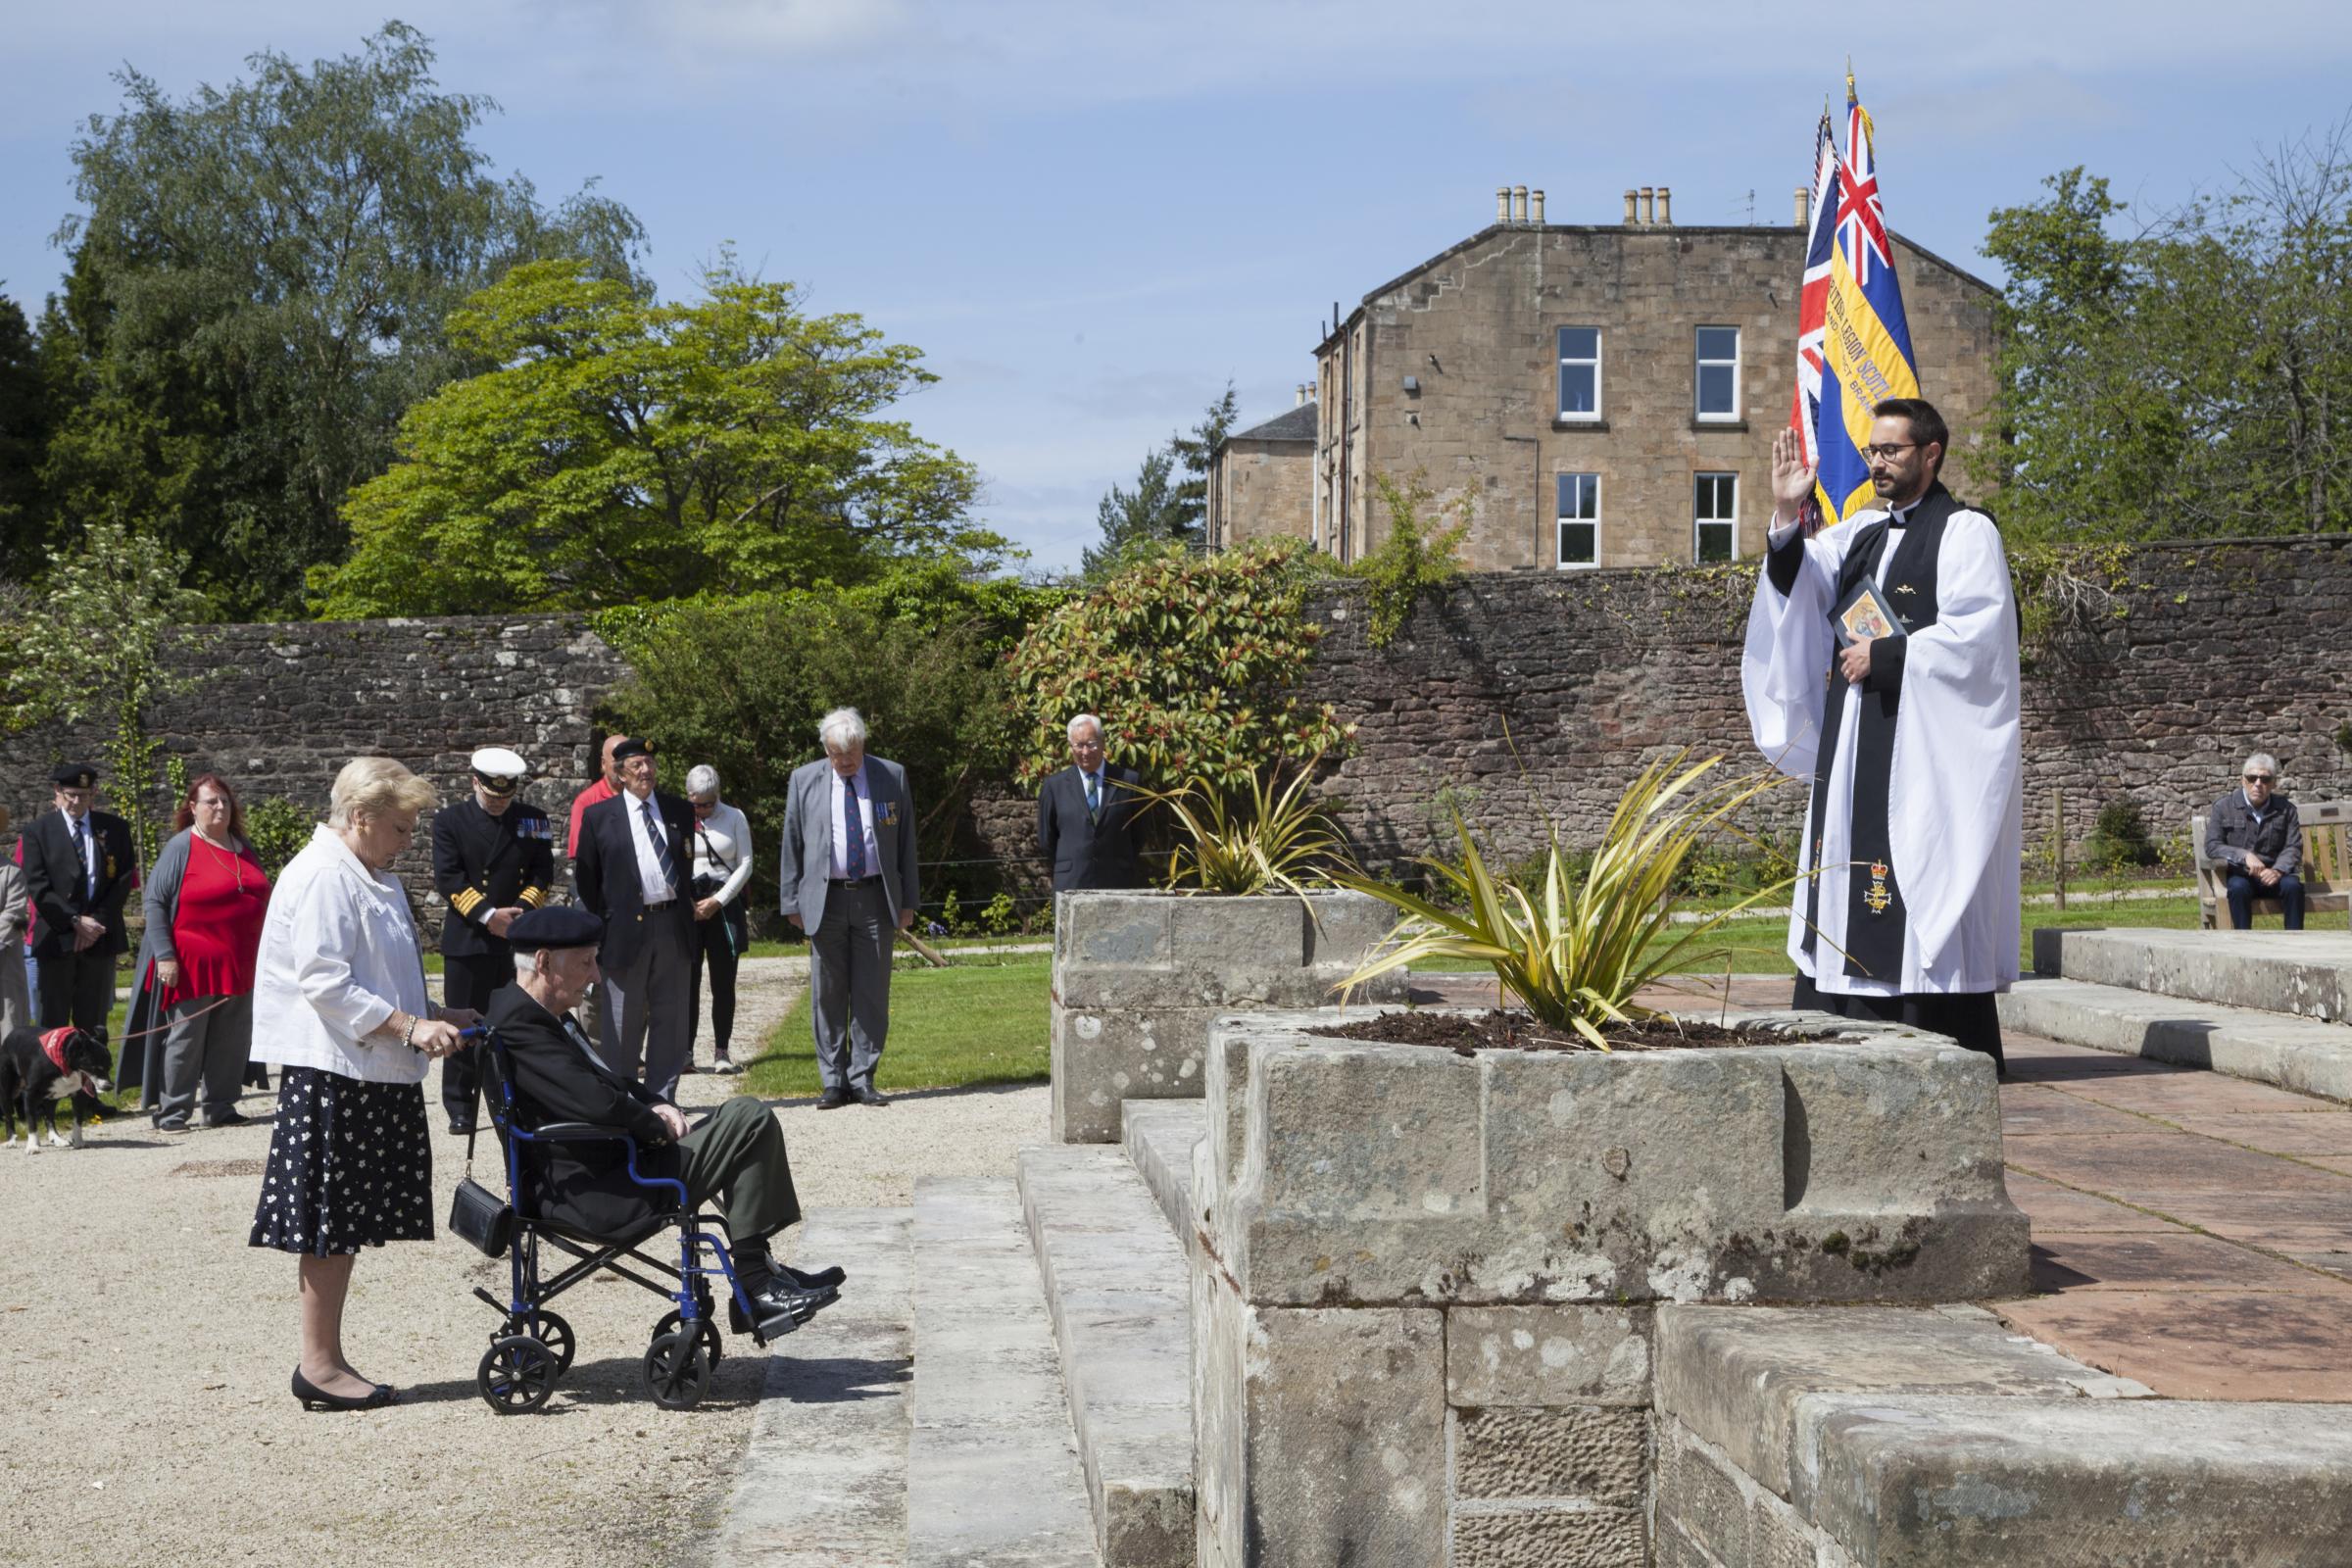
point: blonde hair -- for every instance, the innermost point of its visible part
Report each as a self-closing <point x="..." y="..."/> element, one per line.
<point x="372" y="786"/>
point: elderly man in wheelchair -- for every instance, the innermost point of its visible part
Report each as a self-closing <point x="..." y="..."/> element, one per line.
<point x="598" y="1163"/>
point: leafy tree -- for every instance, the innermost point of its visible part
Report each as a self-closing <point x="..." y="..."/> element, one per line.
<point x="1169" y="501"/>
<point x="2189" y="378"/>
<point x="92" y="647"/>
<point x="23" y="420"/>
<point x="626" y="451"/>
<point x="257" y="294"/>
<point x="1194" y="661"/>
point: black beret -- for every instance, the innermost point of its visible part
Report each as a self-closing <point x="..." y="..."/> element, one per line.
<point x="76" y="776"/>
<point x="632" y="747"/>
<point x="561" y="925"/>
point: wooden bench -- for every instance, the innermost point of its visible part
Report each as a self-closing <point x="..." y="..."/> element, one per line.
<point x="2325" y="871"/>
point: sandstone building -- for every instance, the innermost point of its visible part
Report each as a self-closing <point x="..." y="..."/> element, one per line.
<point x="1592" y="395"/>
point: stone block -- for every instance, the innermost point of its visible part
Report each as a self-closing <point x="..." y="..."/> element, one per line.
<point x="1159" y="1136"/>
<point x="1547" y="1356"/>
<point x="1596" y="1453"/>
<point x="1163" y="949"/>
<point x="2305" y="1055"/>
<point x="1701" y="1494"/>
<point x="1736" y="1377"/>
<point x="1102" y="1059"/>
<point x="1320" y="1435"/>
<point x="1547" y="1538"/>
<point x="2305" y="972"/>
<point x="1674" y="1549"/>
<point x="1929" y="1482"/>
<point x="1359" y="1173"/>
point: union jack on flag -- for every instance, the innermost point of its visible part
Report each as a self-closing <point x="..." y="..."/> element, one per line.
<point x="1853" y="340"/>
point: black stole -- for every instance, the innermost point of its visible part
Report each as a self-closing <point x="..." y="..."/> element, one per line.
<point x="1875" y="921"/>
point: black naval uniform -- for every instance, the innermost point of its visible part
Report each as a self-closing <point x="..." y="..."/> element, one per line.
<point x="482" y="864"/>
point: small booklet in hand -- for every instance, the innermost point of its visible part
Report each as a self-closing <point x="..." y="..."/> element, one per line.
<point x="1865" y="615"/>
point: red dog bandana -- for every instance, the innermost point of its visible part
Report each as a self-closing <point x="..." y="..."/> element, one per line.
<point x="52" y="1045"/>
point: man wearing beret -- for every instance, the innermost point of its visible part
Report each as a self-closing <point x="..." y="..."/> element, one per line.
<point x="493" y="858"/>
<point x="737" y="1152"/>
<point x="634" y="872"/>
<point x="79" y="868"/>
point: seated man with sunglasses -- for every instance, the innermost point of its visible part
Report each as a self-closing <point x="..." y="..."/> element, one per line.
<point x="2255" y="829"/>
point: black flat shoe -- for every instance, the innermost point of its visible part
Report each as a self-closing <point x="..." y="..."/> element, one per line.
<point x="231" y="1117"/>
<point x="313" y="1398"/>
<point x="832" y="1099"/>
<point x="866" y="1097"/>
<point x="824" y="1279"/>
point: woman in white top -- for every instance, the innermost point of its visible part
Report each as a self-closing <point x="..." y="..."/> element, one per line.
<point x="723" y="865"/>
<point x="339" y="1003"/>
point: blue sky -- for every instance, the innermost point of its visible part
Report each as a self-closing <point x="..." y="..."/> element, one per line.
<point x="1090" y="216"/>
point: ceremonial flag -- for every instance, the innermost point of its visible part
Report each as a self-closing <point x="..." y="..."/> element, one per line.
<point x="1865" y="343"/>
<point x="1813" y="298"/>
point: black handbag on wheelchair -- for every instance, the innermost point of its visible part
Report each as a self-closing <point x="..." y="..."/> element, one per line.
<point x="478" y="1216"/>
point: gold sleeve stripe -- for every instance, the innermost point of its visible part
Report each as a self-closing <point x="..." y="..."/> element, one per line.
<point x="532" y="898"/>
<point x="465" y="899"/>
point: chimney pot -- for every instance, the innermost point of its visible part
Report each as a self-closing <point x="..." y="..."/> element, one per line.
<point x="1299" y="399"/>
<point x="1804" y="207"/>
<point x="1650" y="205"/>
<point x="1535" y="212"/>
<point x="1633" y="215"/>
<point x="1503" y="204"/>
<point x="1518" y="203"/>
<point x="1665" y="205"/>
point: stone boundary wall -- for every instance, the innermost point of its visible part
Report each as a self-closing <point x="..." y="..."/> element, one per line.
<point x="1509" y="696"/>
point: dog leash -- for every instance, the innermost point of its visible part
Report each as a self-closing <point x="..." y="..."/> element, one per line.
<point x="217" y="1001"/>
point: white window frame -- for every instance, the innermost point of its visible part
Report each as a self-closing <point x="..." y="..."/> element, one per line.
<point x="1560" y="361"/>
<point x="1698" y="363"/>
<point x="1698" y="523"/>
<point x="1561" y="518"/>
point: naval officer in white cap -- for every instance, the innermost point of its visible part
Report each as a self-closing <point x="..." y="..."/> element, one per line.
<point x="494" y="856"/>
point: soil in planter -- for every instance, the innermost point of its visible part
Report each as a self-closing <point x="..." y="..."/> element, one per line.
<point x="1495" y="1030"/>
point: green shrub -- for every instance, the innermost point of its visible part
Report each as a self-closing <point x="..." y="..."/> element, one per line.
<point x="278" y="829"/>
<point x="1410" y="558"/>
<point x="2119" y="839"/>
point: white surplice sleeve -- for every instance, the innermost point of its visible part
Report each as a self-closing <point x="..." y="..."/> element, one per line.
<point x="1788" y="646"/>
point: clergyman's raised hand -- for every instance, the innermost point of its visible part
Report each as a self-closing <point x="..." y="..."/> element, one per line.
<point x="1792" y="479"/>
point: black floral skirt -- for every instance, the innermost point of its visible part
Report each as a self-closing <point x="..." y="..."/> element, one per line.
<point x="351" y="1165"/>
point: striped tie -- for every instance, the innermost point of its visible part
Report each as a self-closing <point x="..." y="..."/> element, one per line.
<point x="653" y="830"/>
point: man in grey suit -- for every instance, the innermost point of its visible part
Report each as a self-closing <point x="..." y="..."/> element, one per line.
<point x="848" y="880"/>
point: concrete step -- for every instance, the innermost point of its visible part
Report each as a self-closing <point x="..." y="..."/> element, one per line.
<point x="2307" y="973"/>
<point x="1159" y="1135"/>
<point x="2304" y="1055"/>
<point x="824" y="1474"/>
<point x="1120" y="1295"/>
<point x="992" y="1474"/>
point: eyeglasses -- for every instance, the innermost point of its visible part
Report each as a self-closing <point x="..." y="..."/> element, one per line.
<point x="2259" y="778"/>
<point x="1888" y="450"/>
<point x="704" y="805"/>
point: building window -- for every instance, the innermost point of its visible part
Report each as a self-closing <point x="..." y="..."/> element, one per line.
<point x="1719" y="372"/>
<point x="1580" y="372"/>
<point x="1579" y="520"/>
<point x="1715" y="511"/>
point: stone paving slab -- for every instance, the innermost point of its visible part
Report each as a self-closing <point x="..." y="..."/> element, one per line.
<point x="824" y="1476"/>
<point x="2180" y="1261"/>
<point x="2217" y="1344"/>
<point x="1119" y="1291"/>
<point x="2305" y="972"/>
<point x="2263" y="1045"/>
<point x="1159" y="1135"/>
<point x="2052" y="1207"/>
<point x="991" y="1472"/>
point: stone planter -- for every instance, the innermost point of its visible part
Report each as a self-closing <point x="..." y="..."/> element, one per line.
<point x="1138" y="976"/>
<point x="1423" y="1281"/>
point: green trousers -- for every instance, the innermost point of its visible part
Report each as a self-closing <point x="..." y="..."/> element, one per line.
<point x="737" y="1154"/>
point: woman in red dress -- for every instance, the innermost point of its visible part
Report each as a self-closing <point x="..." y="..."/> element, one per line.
<point x="205" y="904"/>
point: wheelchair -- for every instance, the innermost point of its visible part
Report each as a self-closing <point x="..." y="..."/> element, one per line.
<point x="532" y="1347"/>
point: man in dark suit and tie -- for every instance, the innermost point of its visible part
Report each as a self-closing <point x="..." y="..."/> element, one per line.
<point x="635" y="853"/>
<point x="849" y="879"/>
<point x="79" y="868"/>
<point x="1086" y="815"/>
<point x="558" y="1076"/>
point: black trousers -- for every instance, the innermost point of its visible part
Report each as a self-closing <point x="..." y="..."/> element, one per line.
<point x="467" y="983"/>
<point x="78" y="989"/>
<point x="1972" y="1018"/>
<point x="719" y="941"/>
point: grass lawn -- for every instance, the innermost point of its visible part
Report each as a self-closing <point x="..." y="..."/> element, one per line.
<point x="981" y="1021"/>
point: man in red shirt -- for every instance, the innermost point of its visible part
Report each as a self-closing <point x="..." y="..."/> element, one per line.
<point x="604" y="789"/>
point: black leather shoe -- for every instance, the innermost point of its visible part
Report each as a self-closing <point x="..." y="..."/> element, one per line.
<point x="824" y="1279"/>
<point x="781" y="1306"/>
<point x="832" y="1099"/>
<point x="460" y="1129"/>
<point x="313" y="1398"/>
<point x="231" y="1117"/>
<point x="866" y="1097"/>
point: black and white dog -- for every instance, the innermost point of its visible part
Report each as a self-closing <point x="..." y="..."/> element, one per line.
<point x="38" y="1069"/>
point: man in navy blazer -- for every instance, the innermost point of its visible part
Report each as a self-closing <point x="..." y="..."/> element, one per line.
<point x="1086" y="815"/>
<point x="634" y="869"/>
<point x="849" y="879"/>
<point x="79" y="868"/>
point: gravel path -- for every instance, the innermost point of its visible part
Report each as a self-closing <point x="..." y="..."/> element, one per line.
<point x="144" y="1414"/>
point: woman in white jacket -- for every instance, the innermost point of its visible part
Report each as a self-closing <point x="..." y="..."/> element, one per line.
<point x="339" y="1003"/>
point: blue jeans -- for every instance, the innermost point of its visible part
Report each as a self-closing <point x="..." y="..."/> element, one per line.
<point x="2243" y="890"/>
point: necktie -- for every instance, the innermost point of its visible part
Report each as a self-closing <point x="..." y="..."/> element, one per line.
<point x="1094" y="797"/>
<point x="81" y="848"/>
<point x="852" y="824"/>
<point x="653" y="830"/>
<point x="571" y="1032"/>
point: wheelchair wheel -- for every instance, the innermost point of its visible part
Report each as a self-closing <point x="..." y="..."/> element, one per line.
<point x="706" y="1329"/>
<point x="516" y="1375"/>
<point x="548" y="1329"/>
<point x="676" y="1372"/>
